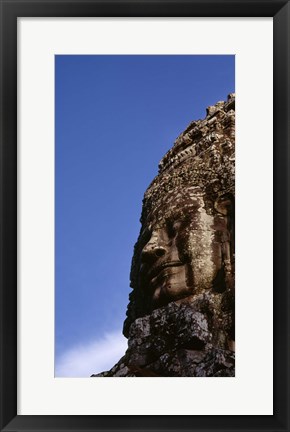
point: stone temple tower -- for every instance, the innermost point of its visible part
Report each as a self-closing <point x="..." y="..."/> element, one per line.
<point x="180" y="318"/>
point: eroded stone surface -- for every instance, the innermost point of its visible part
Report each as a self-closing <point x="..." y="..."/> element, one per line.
<point x="180" y="319"/>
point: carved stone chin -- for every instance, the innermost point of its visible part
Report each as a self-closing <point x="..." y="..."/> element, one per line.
<point x="180" y="318"/>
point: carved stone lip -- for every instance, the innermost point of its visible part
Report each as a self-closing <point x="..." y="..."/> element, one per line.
<point x="154" y="271"/>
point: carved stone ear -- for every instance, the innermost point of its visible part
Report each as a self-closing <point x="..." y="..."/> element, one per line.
<point x="224" y="204"/>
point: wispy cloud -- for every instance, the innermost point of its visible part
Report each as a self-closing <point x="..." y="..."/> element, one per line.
<point x="94" y="357"/>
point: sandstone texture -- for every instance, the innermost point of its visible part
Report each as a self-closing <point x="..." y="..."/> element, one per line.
<point x="180" y="318"/>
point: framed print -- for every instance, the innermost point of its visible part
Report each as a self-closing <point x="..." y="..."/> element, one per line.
<point x="93" y="96"/>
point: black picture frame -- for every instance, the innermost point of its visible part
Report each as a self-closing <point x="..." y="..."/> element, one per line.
<point x="10" y="11"/>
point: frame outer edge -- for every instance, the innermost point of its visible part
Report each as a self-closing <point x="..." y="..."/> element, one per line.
<point x="8" y="223"/>
<point x="281" y="215"/>
<point x="8" y="205"/>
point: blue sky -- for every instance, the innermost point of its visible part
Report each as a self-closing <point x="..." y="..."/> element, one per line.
<point x="115" y="118"/>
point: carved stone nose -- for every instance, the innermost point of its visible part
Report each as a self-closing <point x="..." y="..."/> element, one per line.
<point x="159" y="251"/>
<point x="152" y="251"/>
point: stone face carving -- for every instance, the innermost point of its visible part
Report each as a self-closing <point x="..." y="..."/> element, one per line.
<point x="180" y="318"/>
<point x="186" y="252"/>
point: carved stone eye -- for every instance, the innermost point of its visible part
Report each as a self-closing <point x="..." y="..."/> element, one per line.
<point x="172" y="228"/>
<point x="224" y="204"/>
